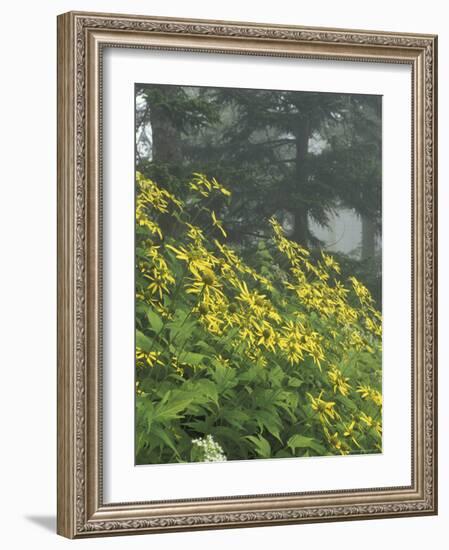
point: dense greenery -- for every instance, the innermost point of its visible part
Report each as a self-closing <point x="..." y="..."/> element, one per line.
<point x="252" y="349"/>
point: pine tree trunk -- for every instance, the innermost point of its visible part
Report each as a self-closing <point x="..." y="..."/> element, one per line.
<point x="166" y="143"/>
<point x="368" y="238"/>
<point x="301" y="232"/>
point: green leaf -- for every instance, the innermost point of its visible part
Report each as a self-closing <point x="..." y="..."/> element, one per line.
<point x="276" y="375"/>
<point x="294" y="382"/>
<point x="225" y="378"/>
<point x="204" y="346"/>
<point x="154" y="320"/>
<point x="270" y="421"/>
<point x="183" y="334"/>
<point x="298" y="441"/>
<point x="284" y="453"/>
<point x="199" y="426"/>
<point x="148" y="414"/>
<point x="235" y="417"/>
<point x="161" y="433"/>
<point x="192" y="358"/>
<point x="171" y="408"/>
<point x="141" y="307"/>
<point x="143" y="342"/>
<point x="262" y="446"/>
<point x="140" y="442"/>
<point x="203" y="390"/>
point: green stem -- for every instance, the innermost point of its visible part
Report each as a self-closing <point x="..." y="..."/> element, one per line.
<point x="182" y="324"/>
<point x="224" y="339"/>
<point x="187" y="317"/>
<point x="175" y="295"/>
<point x="237" y="349"/>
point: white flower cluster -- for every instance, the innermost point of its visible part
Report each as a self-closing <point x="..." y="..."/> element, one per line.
<point x="209" y="449"/>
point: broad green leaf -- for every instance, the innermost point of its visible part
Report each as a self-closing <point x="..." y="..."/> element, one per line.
<point x="276" y="375"/>
<point x="225" y="377"/>
<point x="270" y="421"/>
<point x="298" y="441"/>
<point x="204" y="346"/>
<point x="235" y="417"/>
<point x="261" y="445"/>
<point x="192" y="358"/>
<point x="143" y="342"/>
<point x="284" y="453"/>
<point x="171" y="408"/>
<point x="154" y="320"/>
<point x="294" y="382"/>
<point x="140" y="441"/>
<point x="165" y="437"/>
<point x="203" y="390"/>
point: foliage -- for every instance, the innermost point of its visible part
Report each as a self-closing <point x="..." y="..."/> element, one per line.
<point x="267" y="356"/>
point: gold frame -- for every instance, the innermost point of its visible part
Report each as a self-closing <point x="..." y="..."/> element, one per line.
<point x="81" y="37"/>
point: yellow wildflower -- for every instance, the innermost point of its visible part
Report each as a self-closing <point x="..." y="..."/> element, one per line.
<point x="265" y="335"/>
<point x="339" y="382"/>
<point x="349" y="432"/>
<point x="218" y="224"/>
<point x="256" y="302"/>
<point x="195" y="258"/>
<point x="361" y="291"/>
<point x="195" y="233"/>
<point x="368" y="420"/>
<point x="313" y="347"/>
<point x="205" y="283"/>
<point x="223" y="362"/>
<point x="324" y="409"/>
<point x="291" y="341"/>
<point x="151" y="358"/>
<point x="337" y="443"/>
<point x="370" y="393"/>
<point x="160" y="279"/>
<point x="330" y="262"/>
<point x="200" y="184"/>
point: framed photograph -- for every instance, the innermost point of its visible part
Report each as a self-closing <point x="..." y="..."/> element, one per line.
<point x="246" y="274"/>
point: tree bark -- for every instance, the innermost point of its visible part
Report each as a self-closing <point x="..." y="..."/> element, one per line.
<point x="166" y="144"/>
<point x="368" y="238"/>
<point x="301" y="232"/>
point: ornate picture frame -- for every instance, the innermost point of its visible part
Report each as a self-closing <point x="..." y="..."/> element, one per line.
<point x="82" y="40"/>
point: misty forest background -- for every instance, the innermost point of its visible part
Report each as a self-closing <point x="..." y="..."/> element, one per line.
<point x="312" y="159"/>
